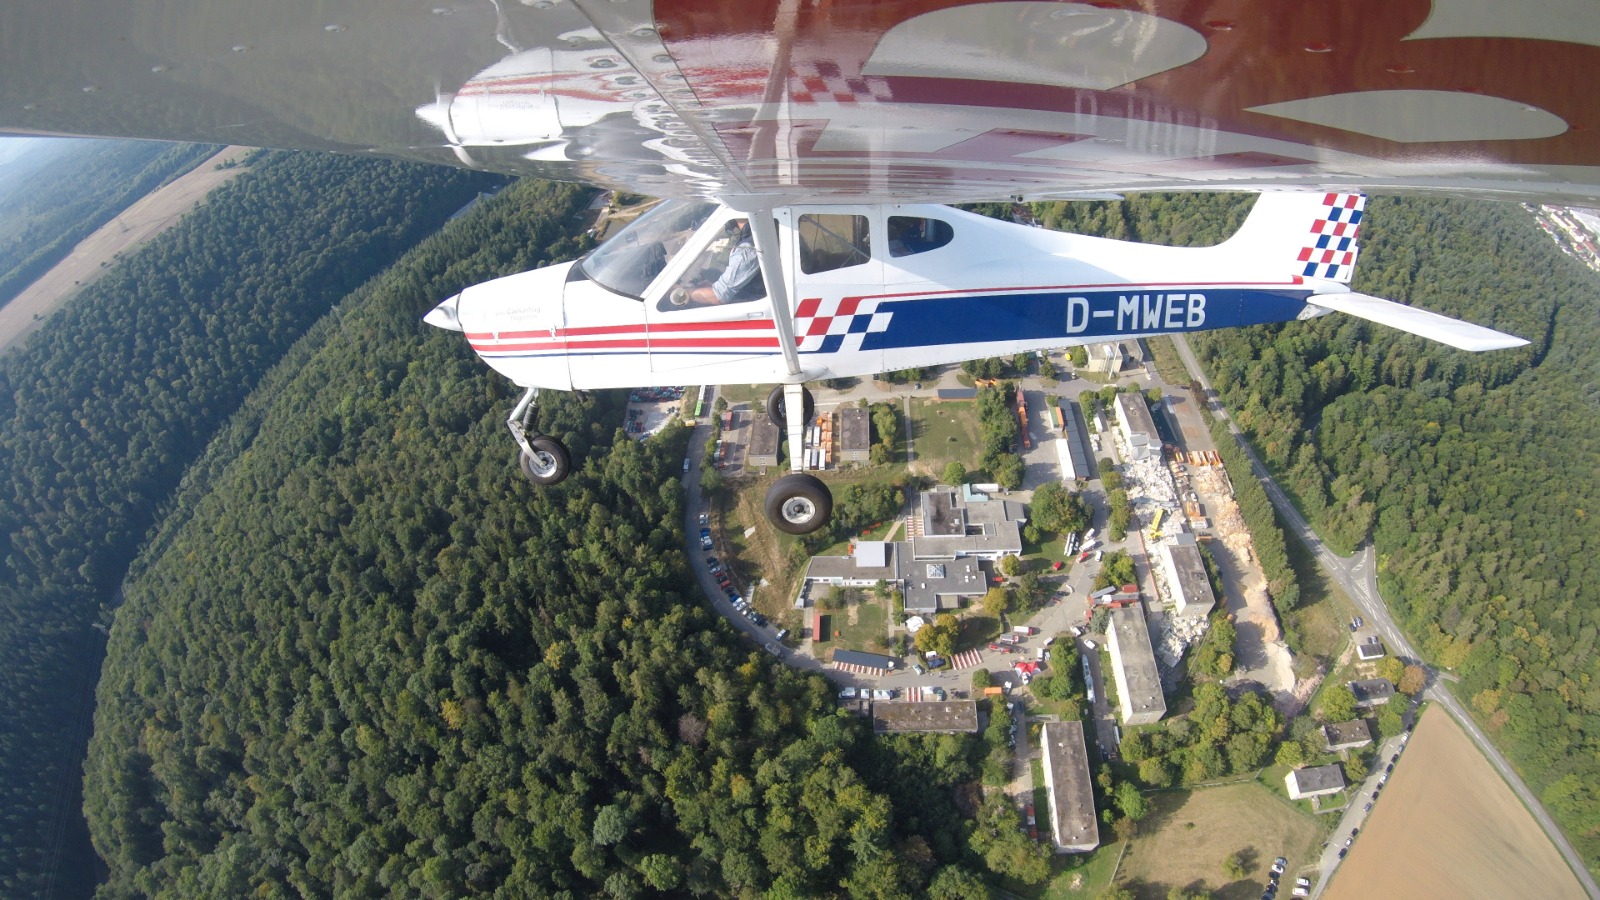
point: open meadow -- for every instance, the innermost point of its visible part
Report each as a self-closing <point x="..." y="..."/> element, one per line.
<point x="1189" y="834"/>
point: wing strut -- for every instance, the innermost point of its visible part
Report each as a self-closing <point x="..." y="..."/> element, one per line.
<point x="764" y="228"/>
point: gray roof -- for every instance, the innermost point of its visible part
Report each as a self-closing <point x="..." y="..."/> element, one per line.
<point x="855" y="429"/>
<point x="1135" y="414"/>
<point x="947" y="717"/>
<point x="1072" y="820"/>
<point x="1371" y="648"/>
<point x="1187" y="571"/>
<point x="849" y="568"/>
<point x="1372" y="690"/>
<point x="1347" y="734"/>
<point x="1138" y="681"/>
<point x="763" y="437"/>
<point x="928" y="580"/>
<point x="858" y="658"/>
<point x="872" y="554"/>
<point x="1318" y="778"/>
<point x="951" y="528"/>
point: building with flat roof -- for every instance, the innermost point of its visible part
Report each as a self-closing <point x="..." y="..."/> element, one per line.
<point x="1370" y="649"/>
<point x="868" y="563"/>
<point x="855" y="434"/>
<point x="1346" y="735"/>
<point x="1372" y="691"/>
<point x="763" y="443"/>
<point x="1138" y="429"/>
<point x="927" y="717"/>
<point x="1314" y="781"/>
<point x="1073" y="828"/>
<point x="1180" y="561"/>
<point x="1133" y="664"/>
<point x="953" y="527"/>
<point x="932" y="585"/>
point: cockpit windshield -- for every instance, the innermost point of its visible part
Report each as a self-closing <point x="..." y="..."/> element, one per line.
<point x="629" y="260"/>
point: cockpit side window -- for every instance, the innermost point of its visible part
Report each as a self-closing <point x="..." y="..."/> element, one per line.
<point x="831" y="241"/>
<point x="726" y="272"/>
<point x="910" y="235"/>
<point x="632" y="258"/>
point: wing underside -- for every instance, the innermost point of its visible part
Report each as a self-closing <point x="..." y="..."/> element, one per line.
<point x="778" y="101"/>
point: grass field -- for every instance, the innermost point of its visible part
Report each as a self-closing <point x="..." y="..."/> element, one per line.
<point x="945" y="432"/>
<point x="1447" y="826"/>
<point x="869" y="625"/>
<point x="1188" y="834"/>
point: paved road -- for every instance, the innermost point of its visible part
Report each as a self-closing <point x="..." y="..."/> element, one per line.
<point x="1359" y="578"/>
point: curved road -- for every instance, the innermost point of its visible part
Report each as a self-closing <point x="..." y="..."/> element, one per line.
<point x="1359" y="578"/>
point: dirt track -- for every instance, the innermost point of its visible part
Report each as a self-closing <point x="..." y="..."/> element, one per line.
<point x="151" y="215"/>
<point x="1447" y="826"/>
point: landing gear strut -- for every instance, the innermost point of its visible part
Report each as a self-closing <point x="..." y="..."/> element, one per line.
<point x="545" y="459"/>
<point x="797" y="503"/>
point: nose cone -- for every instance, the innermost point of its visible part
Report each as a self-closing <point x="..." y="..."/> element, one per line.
<point x="445" y="315"/>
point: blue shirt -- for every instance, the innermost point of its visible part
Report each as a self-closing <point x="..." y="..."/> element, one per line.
<point x="742" y="267"/>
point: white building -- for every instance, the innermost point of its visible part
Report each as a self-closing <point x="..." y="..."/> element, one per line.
<point x="1137" y="428"/>
<point x="1073" y="828"/>
<point x="1133" y="664"/>
<point x="1180" y="561"/>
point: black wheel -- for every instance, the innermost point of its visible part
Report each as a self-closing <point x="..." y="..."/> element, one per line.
<point x="799" y="504"/>
<point x="776" y="407"/>
<point x="550" y="462"/>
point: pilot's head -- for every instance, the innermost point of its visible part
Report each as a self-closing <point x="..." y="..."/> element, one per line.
<point x="736" y="228"/>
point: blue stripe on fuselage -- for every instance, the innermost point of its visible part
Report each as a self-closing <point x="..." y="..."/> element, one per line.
<point x="1092" y="315"/>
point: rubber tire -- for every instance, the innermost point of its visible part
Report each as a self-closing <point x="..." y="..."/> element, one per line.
<point x="799" y="504"/>
<point x="554" y="463"/>
<point x="776" y="407"/>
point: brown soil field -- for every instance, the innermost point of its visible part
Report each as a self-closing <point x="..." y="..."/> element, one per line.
<point x="1447" y="826"/>
<point x="1187" y="836"/>
<point x="146" y="218"/>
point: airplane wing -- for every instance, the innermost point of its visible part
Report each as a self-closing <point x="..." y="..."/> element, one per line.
<point x="764" y="102"/>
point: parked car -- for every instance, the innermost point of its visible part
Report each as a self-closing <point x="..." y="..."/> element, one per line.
<point x="782" y="633"/>
<point x="705" y="518"/>
<point x="1090" y="644"/>
<point x="759" y="619"/>
<point x="848" y="693"/>
<point x="1302" y="882"/>
<point x="772" y="648"/>
<point x="919" y="669"/>
<point x="1278" y="865"/>
<point x="883" y="694"/>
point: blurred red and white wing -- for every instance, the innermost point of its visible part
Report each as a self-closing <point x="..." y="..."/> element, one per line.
<point x="775" y="101"/>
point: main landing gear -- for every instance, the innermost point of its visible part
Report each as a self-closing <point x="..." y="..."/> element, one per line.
<point x="545" y="460"/>
<point x="797" y="503"/>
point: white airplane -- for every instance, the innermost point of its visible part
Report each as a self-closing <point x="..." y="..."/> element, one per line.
<point x="864" y="289"/>
<point x="832" y="130"/>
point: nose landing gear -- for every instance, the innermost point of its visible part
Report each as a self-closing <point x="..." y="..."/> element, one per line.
<point x="545" y="460"/>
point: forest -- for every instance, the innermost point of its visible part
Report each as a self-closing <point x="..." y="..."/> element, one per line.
<point x="80" y="186"/>
<point x="367" y="658"/>
<point x="106" y="406"/>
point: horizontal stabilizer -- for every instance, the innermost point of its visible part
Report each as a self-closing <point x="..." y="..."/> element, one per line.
<point x="1445" y="330"/>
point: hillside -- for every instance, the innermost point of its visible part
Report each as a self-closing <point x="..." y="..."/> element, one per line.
<point x="373" y="661"/>
<point x="105" y="407"/>
<point x="71" y="188"/>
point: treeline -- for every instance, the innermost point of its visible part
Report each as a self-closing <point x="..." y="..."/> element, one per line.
<point x="70" y="197"/>
<point x="372" y="660"/>
<point x="104" y="407"/>
<point x="1473" y="474"/>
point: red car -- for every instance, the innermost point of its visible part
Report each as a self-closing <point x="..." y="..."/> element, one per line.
<point x="1058" y="565"/>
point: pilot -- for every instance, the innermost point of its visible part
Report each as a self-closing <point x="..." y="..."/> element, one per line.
<point x="741" y="274"/>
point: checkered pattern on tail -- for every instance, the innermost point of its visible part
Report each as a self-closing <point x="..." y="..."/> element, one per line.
<point x="1330" y="246"/>
<point x="832" y="326"/>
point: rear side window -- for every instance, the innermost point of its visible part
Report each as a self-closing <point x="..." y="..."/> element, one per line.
<point x="831" y="241"/>
<point x="910" y="235"/>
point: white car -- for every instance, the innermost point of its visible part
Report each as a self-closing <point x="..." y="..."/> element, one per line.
<point x="848" y="693"/>
<point x="882" y="694"/>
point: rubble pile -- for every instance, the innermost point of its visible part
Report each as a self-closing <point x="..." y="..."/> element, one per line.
<point x="1175" y="635"/>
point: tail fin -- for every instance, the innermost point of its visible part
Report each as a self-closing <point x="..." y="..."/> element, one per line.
<point x="1313" y="235"/>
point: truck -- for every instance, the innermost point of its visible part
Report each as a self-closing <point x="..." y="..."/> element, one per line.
<point x="1024" y="629"/>
<point x="1103" y="592"/>
<point x="1090" y="545"/>
<point x="1088" y="536"/>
